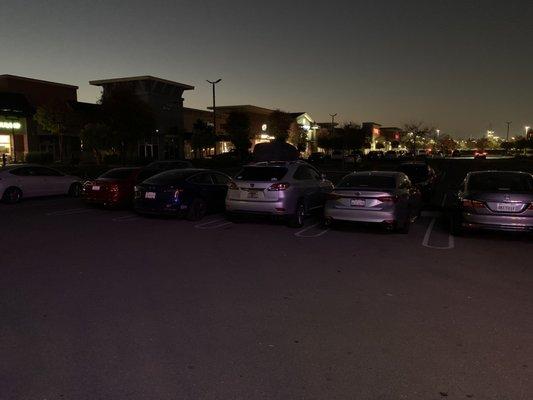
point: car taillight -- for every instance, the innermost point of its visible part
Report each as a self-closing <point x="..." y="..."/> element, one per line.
<point x="233" y="186"/>
<point x="473" y="204"/>
<point x="388" y="199"/>
<point x="113" y="187"/>
<point x="333" y="196"/>
<point x="277" y="187"/>
<point x="530" y="207"/>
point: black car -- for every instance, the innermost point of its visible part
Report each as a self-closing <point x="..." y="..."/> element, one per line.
<point x="157" y="167"/>
<point x="422" y="176"/>
<point x="317" y="158"/>
<point x="189" y="193"/>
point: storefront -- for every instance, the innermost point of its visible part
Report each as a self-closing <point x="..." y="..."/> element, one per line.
<point x="13" y="139"/>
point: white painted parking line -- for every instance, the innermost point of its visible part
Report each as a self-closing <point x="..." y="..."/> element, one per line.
<point x="126" y="218"/>
<point x="70" y="212"/>
<point x="427" y="236"/>
<point x="301" y="233"/>
<point x="214" y="224"/>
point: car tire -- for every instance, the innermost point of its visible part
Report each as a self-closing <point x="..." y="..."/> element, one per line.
<point x="327" y="223"/>
<point x="75" y="190"/>
<point x="197" y="210"/>
<point x="12" y="195"/>
<point x="296" y="220"/>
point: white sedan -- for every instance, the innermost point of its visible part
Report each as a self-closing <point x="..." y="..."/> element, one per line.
<point x="27" y="180"/>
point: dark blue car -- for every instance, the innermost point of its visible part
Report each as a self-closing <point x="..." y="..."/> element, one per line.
<point x="189" y="193"/>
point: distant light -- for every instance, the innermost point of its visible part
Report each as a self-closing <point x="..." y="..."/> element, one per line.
<point x="264" y="127"/>
<point x="10" y="125"/>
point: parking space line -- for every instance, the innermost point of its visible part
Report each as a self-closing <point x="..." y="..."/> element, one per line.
<point x="126" y="218"/>
<point x="69" y="212"/>
<point x="300" y="233"/>
<point x="214" y="224"/>
<point x="427" y="236"/>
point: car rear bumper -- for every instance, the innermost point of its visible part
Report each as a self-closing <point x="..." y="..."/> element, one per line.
<point x="497" y="222"/>
<point x="155" y="208"/>
<point x="355" y="215"/>
<point x="257" y="207"/>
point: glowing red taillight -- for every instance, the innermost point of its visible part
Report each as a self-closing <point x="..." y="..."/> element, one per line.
<point x="278" y="187"/>
<point x="473" y="204"/>
<point x="530" y="207"/>
<point x="388" y="199"/>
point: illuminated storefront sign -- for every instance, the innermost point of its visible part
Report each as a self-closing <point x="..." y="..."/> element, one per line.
<point x="10" y="125"/>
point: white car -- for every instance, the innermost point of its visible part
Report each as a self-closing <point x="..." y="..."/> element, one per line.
<point x="28" y="180"/>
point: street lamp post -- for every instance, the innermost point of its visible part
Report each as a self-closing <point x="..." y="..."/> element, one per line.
<point x="333" y="122"/>
<point x="508" y="127"/>
<point x="213" y="83"/>
<point x="527" y="130"/>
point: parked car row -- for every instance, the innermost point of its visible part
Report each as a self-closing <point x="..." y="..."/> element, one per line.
<point x="289" y="190"/>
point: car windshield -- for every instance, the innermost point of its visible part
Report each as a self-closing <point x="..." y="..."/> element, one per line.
<point x="415" y="172"/>
<point x="121" y="173"/>
<point x="370" y="181"/>
<point x="261" y="174"/>
<point x="170" y="177"/>
<point x="500" y="182"/>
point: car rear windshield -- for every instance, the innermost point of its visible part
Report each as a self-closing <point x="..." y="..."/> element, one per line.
<point x="500" y="182"/>
<point x="414" y="172"/>
<point x="368" y="181"/>
<point x="170" y="177"/>
<point x="122" y="173"/>
<point x="261" y="174"/>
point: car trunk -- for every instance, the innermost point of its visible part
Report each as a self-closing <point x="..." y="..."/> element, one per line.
<point x="371" y="199"/>
<point x="502" y="202"/>
<point x="255" y="191"/>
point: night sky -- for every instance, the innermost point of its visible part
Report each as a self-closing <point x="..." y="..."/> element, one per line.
<point x="457" y="65"/>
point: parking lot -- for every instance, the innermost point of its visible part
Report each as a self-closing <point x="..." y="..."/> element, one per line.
<point x="107" y="304"/>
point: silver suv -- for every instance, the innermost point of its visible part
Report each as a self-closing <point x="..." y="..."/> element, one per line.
<point x="289" y="189"/>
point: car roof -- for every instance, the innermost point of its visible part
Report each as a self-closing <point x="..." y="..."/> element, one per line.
<point x="278" y="163"/>
<point x="492" y="171"/>
<point x="378" y="173"/>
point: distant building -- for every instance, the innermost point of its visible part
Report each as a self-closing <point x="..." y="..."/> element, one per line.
<point x="166" y="101"/>
<point x="19" y="133"/>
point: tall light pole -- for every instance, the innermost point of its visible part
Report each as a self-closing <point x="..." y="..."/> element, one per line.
<point x="508" y="127"/>
<point x="333" y="122"/>
<point x="213" y="83"/>
<point x="527" y="130"/>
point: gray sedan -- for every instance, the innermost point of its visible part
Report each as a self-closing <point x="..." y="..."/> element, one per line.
<point x="495" y="200"/>
<point x="386" y="198"/>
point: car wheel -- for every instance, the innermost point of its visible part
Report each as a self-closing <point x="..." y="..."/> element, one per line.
<point x="327" y="223"/>
<point x="74" y="190"/>
<point x="197" y="210"/>
<point x="12" y="195"/>
<point x="297" y="219"/>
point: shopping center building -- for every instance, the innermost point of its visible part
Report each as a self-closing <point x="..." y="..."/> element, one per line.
<point x="20" y="98"/>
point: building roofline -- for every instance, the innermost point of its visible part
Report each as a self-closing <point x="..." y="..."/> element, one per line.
<point x="23" y="78"/>
<point x="101" y="82"/>
<point x="244" y="107"/>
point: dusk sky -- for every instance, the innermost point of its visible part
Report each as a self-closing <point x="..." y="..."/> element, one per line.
<point x="456" y="65"/>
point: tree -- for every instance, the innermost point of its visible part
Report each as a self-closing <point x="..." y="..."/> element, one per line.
<point x="298" y="137"/>
<point x="416" y="134"/>
<point x="97" y="138"/>
<point x="279" y="123"/>
<point x="483" y="143"/>
<point x="203" y="136"/>
<point x="446" y="144"/>
<point x="57" y="119"/>
<point x="130" y="118"/>
<point x="352" y="137"/>
<point x="238" y="128"/>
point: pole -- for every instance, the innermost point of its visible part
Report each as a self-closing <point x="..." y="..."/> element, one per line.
<point x="333" y="122"/>
<point x="508" y="126"/>
<point x="213" y="83"/>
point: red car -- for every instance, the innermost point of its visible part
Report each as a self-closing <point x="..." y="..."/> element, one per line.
<point x="113" y="188"/>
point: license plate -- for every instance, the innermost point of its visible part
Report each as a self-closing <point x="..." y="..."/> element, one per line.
<point x="252" y="194"/>
<point x="149" y="195"/>
<point x="357" y="202"/>
<point x="505" y="207"/>
<point x="96" y="188"/>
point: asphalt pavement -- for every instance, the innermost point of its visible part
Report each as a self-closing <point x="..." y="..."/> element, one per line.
<point x="102" y="304"/>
